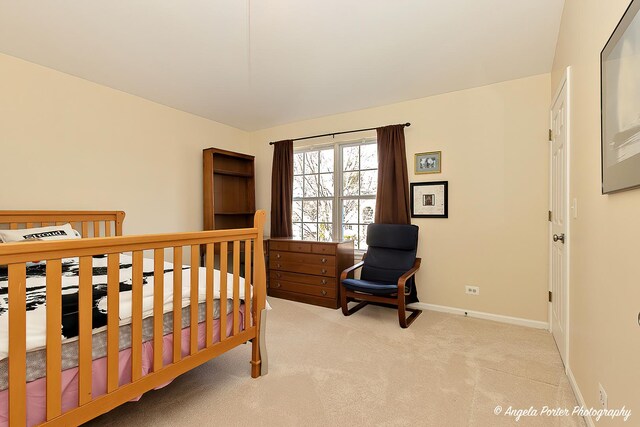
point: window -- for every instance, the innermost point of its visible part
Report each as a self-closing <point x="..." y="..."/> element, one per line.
<point x="334" y="192"/>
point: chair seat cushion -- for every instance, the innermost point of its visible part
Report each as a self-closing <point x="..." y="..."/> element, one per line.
<point x="369" y="287"/>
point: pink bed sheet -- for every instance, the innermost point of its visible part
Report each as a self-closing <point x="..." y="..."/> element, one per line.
<point x="36" y="390"/>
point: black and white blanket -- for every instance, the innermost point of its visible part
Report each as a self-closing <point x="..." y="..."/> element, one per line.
<point x="36" y="296"/>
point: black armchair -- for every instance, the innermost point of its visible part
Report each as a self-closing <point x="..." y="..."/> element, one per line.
<point x="388" y="270"/>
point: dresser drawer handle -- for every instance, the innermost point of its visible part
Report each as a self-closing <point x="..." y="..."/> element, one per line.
<point x="278" y="256"/>
<point x="323" y="292"/>
<point x="278" y="285"/>
<point x="324" y="260"/>
<point x="324" y="281"/>
<point x="278" y="265"/>
<point x="323" y="271"/>
<point x="278" y="275"/>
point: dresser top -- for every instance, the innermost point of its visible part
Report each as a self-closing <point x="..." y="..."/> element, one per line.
<point x="291" y="239"/>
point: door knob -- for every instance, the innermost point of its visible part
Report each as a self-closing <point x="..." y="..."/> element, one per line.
<point x="560" y="237"/>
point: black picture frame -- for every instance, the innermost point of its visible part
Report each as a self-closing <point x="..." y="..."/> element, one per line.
<point x="433" y="199"/>
<point x="619" y="137"/>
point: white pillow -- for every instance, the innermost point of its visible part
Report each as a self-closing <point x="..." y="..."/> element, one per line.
<point x="57" y="232"/>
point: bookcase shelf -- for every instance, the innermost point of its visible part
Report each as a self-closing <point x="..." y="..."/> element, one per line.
<point x="233" y="173"/>
<point x="234" y="213"/>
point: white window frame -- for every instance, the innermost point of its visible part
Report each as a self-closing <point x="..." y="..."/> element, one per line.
<point x="338" y="196"/>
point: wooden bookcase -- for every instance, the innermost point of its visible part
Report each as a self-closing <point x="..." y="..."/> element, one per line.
<point x="229" y="189"/>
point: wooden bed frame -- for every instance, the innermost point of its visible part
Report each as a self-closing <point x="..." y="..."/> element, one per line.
<point x="108" y="224"/>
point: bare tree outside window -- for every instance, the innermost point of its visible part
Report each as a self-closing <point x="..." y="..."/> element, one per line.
<point x="360" y="185"/>
<point x="335" y="204"/>
<point x="313" y="194"/>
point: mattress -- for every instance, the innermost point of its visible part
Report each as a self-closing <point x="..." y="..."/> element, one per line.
<point x="36" y="314"/>
<point x="36" y="309"/>
<point x="36" y="359"/>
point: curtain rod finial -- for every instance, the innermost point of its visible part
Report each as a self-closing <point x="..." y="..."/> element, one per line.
<point x="407" y="124"/>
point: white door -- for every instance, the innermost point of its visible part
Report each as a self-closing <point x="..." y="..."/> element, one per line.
<point x="559" y="219"/>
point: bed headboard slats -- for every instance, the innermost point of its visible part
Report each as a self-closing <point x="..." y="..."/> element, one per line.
<point x="88" y="223"/>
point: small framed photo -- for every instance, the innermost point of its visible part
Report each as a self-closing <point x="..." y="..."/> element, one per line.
<point x="428" y="162"/>
<point x="430" y="199"/>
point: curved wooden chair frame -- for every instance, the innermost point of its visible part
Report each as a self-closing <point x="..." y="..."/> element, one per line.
<point x="396" y="299"/>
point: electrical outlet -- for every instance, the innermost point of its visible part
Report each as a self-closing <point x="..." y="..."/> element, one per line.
<point x="472" y="290"/>
<point x="603" y="396"/>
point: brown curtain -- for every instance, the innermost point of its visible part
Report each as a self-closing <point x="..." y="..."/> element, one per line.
<point x="282" y="189"/>
<point x="393" y="199"/>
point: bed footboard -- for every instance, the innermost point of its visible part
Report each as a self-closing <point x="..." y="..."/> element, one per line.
<point x="234" y="248"/>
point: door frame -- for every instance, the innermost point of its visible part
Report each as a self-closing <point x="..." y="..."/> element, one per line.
<point x="570" y="210"/>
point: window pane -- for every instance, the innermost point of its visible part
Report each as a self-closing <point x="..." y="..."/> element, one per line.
<point x="325" y="232"/>
<point x="350" y="211"/>
<point x="325" y="188"/>
<point x="369" y="182"/>
<point x="298" y="163"/>
<point x="350" y="158"/>
<point x="350" y="232"/>
<point x="369" y="156"/>
<point x="367" y="210"/>
<point x="350" y="183"/>
<point x="297" y="230"/>
<point x="311" y="162"/>
<point x="362" y="240"/>
<point x="310" y="231"/>
<point x="297" y="186"/>
<point x="310" y="211"/>
<point x="326" y="160"/>
<point x="310" y="185"/>
<point x="297" y="211"/>
<point x="325" y="210"/>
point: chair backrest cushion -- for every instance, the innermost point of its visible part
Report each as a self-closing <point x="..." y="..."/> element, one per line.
<point x="391" y="253"/>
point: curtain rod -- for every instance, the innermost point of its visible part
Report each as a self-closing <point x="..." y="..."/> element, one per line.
<point x="333" y="134"/>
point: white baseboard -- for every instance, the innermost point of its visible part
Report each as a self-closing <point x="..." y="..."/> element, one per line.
<point x="579" y="397"/>
<point x="481" y="315"/>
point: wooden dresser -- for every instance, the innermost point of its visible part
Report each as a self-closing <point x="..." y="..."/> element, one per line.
<point x="307" y="271"/>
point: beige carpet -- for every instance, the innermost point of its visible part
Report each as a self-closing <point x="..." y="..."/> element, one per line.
<point x="330" y="370"/>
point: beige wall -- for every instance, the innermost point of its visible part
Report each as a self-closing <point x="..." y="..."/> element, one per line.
<point x="605" y="288"/>
<point x="495" y="157"/>
<point x="66" y="143"/>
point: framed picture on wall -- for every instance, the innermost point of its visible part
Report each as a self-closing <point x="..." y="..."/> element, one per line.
<point x="430" y="162"/>
<point x="620" y="109"/>
<point x="430" y="199"/>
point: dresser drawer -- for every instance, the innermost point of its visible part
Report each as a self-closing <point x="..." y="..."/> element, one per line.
<point x="290" y="246"/>
<point x="302" y="278"/>
<point x="328" y="260"/>
<point x="296" y="267"/>
<point x="327" y="249"/>
<point x="301" y="288"/>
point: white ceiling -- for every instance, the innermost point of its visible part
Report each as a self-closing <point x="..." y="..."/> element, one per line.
<point x="257" y="64"/>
